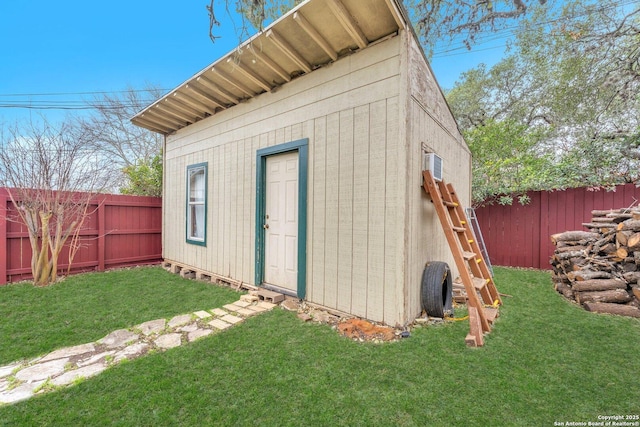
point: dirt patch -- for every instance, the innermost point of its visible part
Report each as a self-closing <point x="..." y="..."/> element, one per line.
<point x="363" y="330"/>
<point x="351" y="327"/>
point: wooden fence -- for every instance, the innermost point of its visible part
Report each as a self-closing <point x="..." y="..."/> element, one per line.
<point x="518" y="236"/>
<point x="120" y="231"/>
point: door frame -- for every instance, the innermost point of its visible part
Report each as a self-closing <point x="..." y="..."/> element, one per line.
<point x="302" y="147"/>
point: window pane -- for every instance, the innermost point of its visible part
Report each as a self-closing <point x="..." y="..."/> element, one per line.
<point x="196" y="204"/>
<point x="196" y="185"/>
<point x="196" y="226"/>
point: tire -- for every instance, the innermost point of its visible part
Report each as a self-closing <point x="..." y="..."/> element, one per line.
<point x="437" y="290"/>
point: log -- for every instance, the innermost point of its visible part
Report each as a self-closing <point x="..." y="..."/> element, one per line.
<point x="630" y="224"/>
<point x="565" y="290"/>
<point x="582" y="275"/>
<point x="609" y="248"/>
<point x="603" y="227"/>
<point x="611" y="308"/>
<point x="636" y="291"/>
<point x="619" y="217"/>
<point x="613" y="295"/>
<point x="602" y="219"/>
<point x="633" y="242"/>
<point x="621" y="253"/>
<point x="568" y="255"/>
<point x="622" y="236"/>
<point x="574" y="236"/>
<point x="599" y="285"/>
<point x="571" y="248"/>
<point x="632" y="277"/>
<point x="597" y="212"/>
<point x="607" y="238"/>
<point x="636" y="257"/>
<point x="629" y="265"/>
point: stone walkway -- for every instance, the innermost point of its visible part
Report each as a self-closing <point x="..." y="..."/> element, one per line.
<point x="60" y="368"/>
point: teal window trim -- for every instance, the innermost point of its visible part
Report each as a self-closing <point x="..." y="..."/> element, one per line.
<point x="189" y="238"/>
<point x="302" y="147"/>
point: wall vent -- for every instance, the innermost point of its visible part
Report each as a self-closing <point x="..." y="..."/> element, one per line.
<point x="433" y="163"/>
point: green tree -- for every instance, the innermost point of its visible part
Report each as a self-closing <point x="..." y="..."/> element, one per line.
<point x="572" y="91"/>
<point x="507" y="162"/>
<point x="144" y="178"/>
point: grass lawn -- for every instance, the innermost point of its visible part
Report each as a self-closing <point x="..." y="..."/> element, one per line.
<point x="545" y="361"/>
<point x="86" y="307"/>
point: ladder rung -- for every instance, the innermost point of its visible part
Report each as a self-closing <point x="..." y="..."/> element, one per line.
<point x="479" y="282"/>
<point x="491" y="313"/>
<point x="458" y="229"/>
<point x="468" y="255"/>
<point x="449" y="204"/>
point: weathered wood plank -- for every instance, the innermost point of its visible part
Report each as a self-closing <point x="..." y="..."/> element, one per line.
<point x="307" y="130"/>
<point x="331" y="218"/>
<point x="360" y="211"/>
<point x="376" y="246"/>
<point x="392" y="231"/>
<point x="248" y="209"/>
<point x="345" y="211"/>
<point x="233" y="208"/>
<point x="319" y="210"/>
<point x="226" y="202"/>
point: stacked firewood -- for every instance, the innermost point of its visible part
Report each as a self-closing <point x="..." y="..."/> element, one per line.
<point x="600" y="268"/>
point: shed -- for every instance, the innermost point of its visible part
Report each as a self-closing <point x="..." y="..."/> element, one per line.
<point x="294" y="162"/>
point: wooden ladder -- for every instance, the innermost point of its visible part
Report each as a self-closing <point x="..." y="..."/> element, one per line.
<point x="483" y="297"/>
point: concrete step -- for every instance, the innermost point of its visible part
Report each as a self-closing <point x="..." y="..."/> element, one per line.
<point x="270" y="296"/>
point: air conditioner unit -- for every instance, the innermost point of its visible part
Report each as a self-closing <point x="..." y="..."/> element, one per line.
<point x="433" y="163"/>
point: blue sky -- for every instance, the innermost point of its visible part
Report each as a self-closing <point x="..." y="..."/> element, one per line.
<point x="72" y="46"/>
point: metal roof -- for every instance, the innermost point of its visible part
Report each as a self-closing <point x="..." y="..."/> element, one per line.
<point x="314" y="34"/>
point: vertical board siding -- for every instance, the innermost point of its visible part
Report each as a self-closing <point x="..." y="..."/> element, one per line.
<point x="377" y="197"/>
<point x="318" y="228"/>
<point x="393" y="220"/>
<point x="345" y="209"/>
<point x="119" y="231"/>
<point x="359" y="218"/>
<point x="360" y="279"/>
<point x="430" y="125"/>
<point x="331" y="211"/>
<point x="519" y="236"/>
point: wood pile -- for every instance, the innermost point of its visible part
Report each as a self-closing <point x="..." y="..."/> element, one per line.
<point x="600" y="268"/>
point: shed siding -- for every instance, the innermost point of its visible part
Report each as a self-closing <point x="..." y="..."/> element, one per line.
<point x="430" y="124"/>
<point x="350" y="112"/>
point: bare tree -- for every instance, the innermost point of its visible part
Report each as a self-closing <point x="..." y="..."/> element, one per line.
<point x="51" y="178"/>
<point x="108" y="130"/>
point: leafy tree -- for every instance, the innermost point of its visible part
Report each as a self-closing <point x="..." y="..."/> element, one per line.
<point x="506" y="161"/>
<point x="144" y="178"/>
<point x="579" y="109"/>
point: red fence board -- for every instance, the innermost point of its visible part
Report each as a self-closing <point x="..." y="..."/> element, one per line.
<point x="519" y="236"/>
<point x="119" y="231"/>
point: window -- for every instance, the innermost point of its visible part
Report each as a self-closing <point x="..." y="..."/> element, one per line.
<point x="197" y="204"/>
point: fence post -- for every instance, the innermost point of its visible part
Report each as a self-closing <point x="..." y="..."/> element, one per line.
<point x="3" y="237"/>
<point x="544" y="237"/>
<point x="101" y="235"/>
